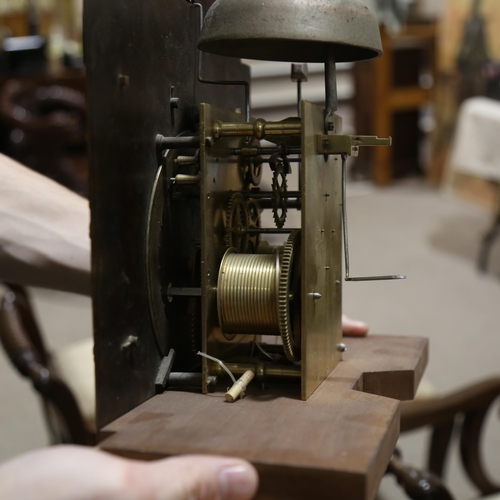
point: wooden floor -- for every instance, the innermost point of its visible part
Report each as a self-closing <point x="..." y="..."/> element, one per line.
<point x="340" y="440"/>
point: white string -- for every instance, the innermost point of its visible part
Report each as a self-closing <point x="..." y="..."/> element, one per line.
<point x="219" y="362"/>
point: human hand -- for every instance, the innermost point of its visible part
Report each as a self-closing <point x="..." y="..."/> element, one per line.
<point x="79" y="473"/>
<point x="353" y="328"/>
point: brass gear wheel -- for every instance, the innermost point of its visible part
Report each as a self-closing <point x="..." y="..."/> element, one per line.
<point x="280" y="167"/>
<point x="253" y="210"/>
<point x="252" y="170"/>
<point x="289" y="290"/>
<point x="236" y="219"/>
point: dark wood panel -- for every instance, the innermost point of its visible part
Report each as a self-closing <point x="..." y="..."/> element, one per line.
<point x="154" y="45"/>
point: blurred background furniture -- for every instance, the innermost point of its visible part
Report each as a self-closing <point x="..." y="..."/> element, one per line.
<point x="474" y="163"/>
<point x="468" y="66"/>
<point x="45" y="129"/>
<point x="42" y="83"/>
<point x="391" y="94"/>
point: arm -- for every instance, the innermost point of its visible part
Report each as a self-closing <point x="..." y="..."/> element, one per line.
<point x="80" y="473"/>
<point x="44" y="231"/>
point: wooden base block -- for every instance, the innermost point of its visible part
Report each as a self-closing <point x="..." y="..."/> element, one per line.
<point x="337" y="444"/>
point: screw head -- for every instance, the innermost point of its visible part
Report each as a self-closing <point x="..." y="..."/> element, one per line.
<point x="341" y="347"/>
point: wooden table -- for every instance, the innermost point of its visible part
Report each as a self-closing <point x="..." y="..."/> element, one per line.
<point x="335" y="445"/>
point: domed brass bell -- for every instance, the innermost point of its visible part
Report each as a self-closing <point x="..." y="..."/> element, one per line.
<point x="291" y="30"/>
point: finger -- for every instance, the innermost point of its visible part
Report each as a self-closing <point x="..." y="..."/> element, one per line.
<point x="195" y="477"/>
<point x="353" y="328"/>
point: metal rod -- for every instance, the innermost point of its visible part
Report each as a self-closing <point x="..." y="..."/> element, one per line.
<point x="163" y="143"/>
<point x="183" y="292"/>
<point x="299" y="96"/>
<point x="267" y="151"/>
<point x="331" y="104"/>
<point x="346" y="235"/>
<point x="221" y="82"/>
<point x="187" y="379"/>
<point x="262" y="370"/>
<point x="291" y="204"/>
<point x="299" y="114"/>
<point x="292" y="160"/>
<point x="344" y="215"/>
<point x="269" y="194"/>
<point x="272" y="230"/>
<point x="259" y="129"/>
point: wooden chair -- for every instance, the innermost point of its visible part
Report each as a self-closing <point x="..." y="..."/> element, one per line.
<point x="23" y="343"/>
<point x="466" y="410"/>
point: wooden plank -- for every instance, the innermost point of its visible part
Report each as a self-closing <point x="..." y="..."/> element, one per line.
<point x="339" y="442"/>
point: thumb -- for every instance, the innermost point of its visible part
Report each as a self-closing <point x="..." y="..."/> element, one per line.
<point x="199" y="477"/>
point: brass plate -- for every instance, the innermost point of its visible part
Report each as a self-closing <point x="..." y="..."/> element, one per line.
<point x="321" y="253"/>
<point x="220" y="174"/>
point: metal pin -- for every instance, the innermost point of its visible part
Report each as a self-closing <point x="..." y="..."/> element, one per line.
<point x="186" y="160"/>
<point x="315" y="296"/>
<point x="128" y="346"/>
<point x="341" y="348"/>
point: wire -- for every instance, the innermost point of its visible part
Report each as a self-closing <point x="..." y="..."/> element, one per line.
<point x="219" y="362"/>
<point x="261" y="349"/>
<point x="221" y="82"/>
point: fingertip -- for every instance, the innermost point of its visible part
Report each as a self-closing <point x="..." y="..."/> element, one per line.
<point x="354" y="328"/>
<point x="238" y="482"/>
<point x="359" y="329"/>
<point x="202" y="477"/>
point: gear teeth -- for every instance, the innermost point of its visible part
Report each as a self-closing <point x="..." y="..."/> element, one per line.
<point x="285" y="324"/>
<point x="279" y="202"/>
<point x="235" y="202"/>
<point x="254" y="222"/>
<point x="227" y="221"/>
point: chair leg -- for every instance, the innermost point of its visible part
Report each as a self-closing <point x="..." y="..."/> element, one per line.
<point x="470" y="452"/>
<point x="487" y="243"/>
<point x="418" y="485"/>
<point x="438" y="451"/>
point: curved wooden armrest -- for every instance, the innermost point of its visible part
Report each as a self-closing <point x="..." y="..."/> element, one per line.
<point x="437" y="411"/>
<point x="473" y="404"/>
<point x="32" y="363"/>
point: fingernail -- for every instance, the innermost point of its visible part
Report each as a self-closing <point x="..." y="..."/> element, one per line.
<point x="237" y="483"/>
